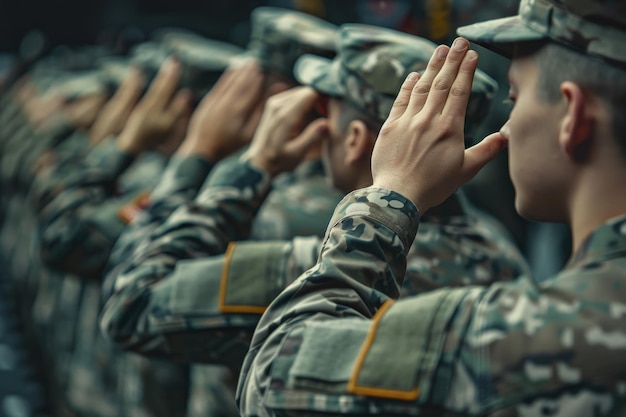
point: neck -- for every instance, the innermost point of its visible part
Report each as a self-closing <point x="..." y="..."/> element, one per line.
<point x="601" y="199"/>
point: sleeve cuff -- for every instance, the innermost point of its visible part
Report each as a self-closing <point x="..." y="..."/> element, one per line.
<point x="106" y="155"/>
<point x="387" y="207"/>
<point x="186" y="173"/>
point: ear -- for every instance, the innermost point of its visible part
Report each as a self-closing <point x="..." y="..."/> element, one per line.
<point x="576" y="126"/>
<point x="359" y="143"/>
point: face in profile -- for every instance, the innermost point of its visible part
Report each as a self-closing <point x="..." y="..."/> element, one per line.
<point x="537" y="165"/>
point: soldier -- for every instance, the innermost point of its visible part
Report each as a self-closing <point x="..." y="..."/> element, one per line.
<point x="336" y="343"/>
<point x="300" y="203"/>
<point x="180" y="298"/>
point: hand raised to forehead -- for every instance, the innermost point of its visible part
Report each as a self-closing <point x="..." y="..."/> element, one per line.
<point x="283" y="138"/>
<point x="115" y="113"/>
<point x="229" y="113"/>
<point x="420" y="151"/>
<point x="159" y="113"/>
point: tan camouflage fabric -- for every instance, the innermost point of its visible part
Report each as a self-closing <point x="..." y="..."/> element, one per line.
<point x="300" y="203"/>
<point x="594" y="27"/>
<point x="192" y="295"/>
<point x="280" y="36"/>
<point x="336" y="342"/>
<point x="372" y="63"/>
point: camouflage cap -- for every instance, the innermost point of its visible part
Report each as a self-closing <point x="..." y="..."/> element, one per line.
<point x="280" y="36"/>
<point x="594" y="27"/>
<point x="371" y="65"/>
<point x="203" y="60"/>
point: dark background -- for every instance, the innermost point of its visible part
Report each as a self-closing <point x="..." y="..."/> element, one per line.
<point x="80" y="22"/>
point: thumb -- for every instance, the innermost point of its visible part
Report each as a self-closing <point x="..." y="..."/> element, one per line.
<point x="314" y="133"/>
<point x="477" y="156"/>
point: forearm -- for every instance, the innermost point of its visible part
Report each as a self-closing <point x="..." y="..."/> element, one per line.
<point x="222" y="212"/>
<point x="361" y="265"/>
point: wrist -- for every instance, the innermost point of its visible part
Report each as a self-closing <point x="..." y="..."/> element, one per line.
<point x="194" y="146"/>
<point x="127" y="142"/>
<point x="406" y="189"/>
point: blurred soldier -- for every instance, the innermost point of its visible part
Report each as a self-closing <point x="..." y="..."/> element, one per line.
<point x="335" y="342"/>
<point x="300" y="202"/>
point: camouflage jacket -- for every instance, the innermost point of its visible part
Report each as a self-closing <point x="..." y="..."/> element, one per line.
<point x="78" y="204"/>
<point x="182" y="298"/>
<point x="335" y="342"/>
<point x="300" y="204"/>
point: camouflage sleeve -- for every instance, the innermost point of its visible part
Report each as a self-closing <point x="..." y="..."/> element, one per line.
<point x="361" y="265"/>
<point x="205" y="310"/>
<point x="222" y="212"/>
<point x="22" y="143"/>
<point x="179" y="184"/>
<point x="301" y="204"/>
<point x="78" y="212"/>
<point x="335" y="343"/>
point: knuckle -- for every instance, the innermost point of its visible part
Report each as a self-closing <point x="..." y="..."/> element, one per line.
<point x="421" y="89"/>
<point x="460" y="90"/>
<point x="441" y="84"/>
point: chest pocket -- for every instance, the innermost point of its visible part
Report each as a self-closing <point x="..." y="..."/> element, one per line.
<point x="351" y="365"/>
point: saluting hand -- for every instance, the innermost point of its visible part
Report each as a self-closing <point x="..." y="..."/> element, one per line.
<point x="420" y="150"/>
<point x="157" y="117"/>
<point x="283" y="138"/>
<point x="227" y="115"/>
<point x="115" y="113"/>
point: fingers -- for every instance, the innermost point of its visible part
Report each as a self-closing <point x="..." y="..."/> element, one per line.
<point x="404" y="95"/>
<point x="443" y="81"/>
<point x="456" y="103"/>
<point x="165" y="83"/>
<point x="129" y="91"/>
<point x="248" y="86"/>
<point x="422" y="88"/>
<point x="181" y="104"/>
<point x="482" y="153"/>
<point x="300" y="99"/>
<point x="314" y="133"/>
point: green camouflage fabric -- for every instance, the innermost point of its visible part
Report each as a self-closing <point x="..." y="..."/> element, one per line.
<point x="593" y="27"/>
<point x="280" y="36"/>
<point x="169" y="301"/>
<point x="371" y="65"/>
<point x="335" y="342"/>
<point x="300" y="203"/>
<point x="85" y="375"/>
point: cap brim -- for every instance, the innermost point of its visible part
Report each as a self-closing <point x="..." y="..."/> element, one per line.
<point x="318" y="73"/>
<point x="500" y="35"/>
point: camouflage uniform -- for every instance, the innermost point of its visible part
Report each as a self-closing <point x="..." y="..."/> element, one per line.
<point x="179" y="297"/>
<point x="300" y="203"/>
<point x="83" y="205"/>
<point x="335" y="342"/>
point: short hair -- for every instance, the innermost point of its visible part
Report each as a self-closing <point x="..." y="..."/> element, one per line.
<point x="558" y="63"/>
<point x="349" y="112"/>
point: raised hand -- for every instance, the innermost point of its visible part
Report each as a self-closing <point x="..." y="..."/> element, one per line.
<point x="420" y="150"/>
<point x="115" y="113"/>
<point x="282" y="139"/>
<point x="227" y="116"/>
<point x="83" y="112"/>
<point x="157" y="116"/>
